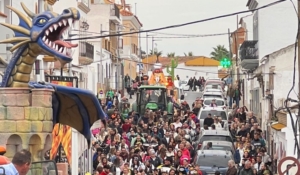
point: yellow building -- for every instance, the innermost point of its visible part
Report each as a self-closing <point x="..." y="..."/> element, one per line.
<point x="130" y="43"/>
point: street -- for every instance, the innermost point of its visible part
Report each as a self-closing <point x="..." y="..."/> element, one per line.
<point x="191" y="96"/>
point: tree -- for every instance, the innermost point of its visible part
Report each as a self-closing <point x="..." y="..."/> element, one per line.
<point x="156" y="53"/>
<point x="171" y="55"/>
<point x="219" y="52"/>
<point x="189" y="54"/>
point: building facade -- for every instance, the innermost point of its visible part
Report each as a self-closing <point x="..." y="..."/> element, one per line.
<point x="267" y="62"/>
<point x="130" y="43"/>
<point x="104" y="19"/>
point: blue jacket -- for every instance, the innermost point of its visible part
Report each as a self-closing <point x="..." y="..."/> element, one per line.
<point x="237" y="157"/>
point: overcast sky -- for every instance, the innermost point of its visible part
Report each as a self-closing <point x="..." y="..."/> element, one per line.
<point x="160" y="13"/>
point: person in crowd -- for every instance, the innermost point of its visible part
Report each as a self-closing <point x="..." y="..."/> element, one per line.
<point x="20" y="164"/>
<point x="208" y="120"/>
<point x="154" y="143"/>
<point x="213" y="103"/>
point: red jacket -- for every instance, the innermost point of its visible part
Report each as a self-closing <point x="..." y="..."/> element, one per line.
<point x="103" y="173"/>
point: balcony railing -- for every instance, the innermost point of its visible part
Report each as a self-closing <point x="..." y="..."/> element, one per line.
<point x="86" y="50"/>
<point x="114" y="11"/>
<point x="248" y="50"/>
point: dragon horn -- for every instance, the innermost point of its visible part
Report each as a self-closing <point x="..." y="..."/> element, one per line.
<point x="17" y="28"/>
<point x="21" y="15"/>
<point x="47" y="7"/>
<point x="19" y="45"/>
<point x="15" y="40"/>
<point x="27" y="11"/>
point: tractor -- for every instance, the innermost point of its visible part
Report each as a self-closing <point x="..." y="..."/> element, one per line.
<point x="154" y="98"/>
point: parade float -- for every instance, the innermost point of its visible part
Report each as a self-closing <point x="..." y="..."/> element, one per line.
<point x="30" y="110"/>
<point x="153" y="94"/>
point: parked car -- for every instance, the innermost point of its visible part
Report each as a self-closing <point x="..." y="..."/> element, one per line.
<point x="213" y="95"/>
<point x="211" y="161"/>
<point x="221" y="103"/>
<point x="213" y="135"/>
<point x="219" y="145"/>
<point x="215" y="82"/>
<point x="203" y="113"/>
<point x="184" y="85"/>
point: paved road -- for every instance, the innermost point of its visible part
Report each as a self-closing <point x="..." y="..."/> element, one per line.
<point x="191" y="96"/>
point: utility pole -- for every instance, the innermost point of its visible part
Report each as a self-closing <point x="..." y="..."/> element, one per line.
<point x="140" y="53"/>
<point x="298" y="71"/>
<point x="237" y="50"/>
<point x="101" y="64"/>
<point x="118" y="57"/>
<point x="152" y="44"/>
<point x="147" y="51"/>
<point x="230" y="52"/>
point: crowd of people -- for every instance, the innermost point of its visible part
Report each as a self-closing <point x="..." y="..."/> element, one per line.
<point x="155" y="144"/>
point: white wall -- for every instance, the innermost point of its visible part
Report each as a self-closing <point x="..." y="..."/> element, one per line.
<point x="282" y="60"/>
<point x="277" y="26"/>
<point x="185" y="72"/>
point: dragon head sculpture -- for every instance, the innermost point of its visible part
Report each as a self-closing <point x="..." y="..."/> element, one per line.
<point x="46" y="29"/>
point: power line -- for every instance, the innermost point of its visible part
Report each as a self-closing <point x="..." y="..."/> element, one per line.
<point x="179" y="25"/>
<point x="181" y="36"/>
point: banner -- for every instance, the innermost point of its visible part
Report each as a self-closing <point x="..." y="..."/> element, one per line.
<point x="62" y="134"/>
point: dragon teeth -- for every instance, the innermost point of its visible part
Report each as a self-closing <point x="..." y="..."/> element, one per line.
<point x="44" y="38"/>
<point x="46" y="41"/>
<point x="70" y="21"/>
<point x="65" y="22"/>
<point x="64" y="50"/>
<point x="50" y="43"/>
<point x="61" y="49"/>
<point x="53" y="46"/>
<point x="51" y="29"/>
<point x="56" y="47"/>
<point x="60" y="23"/>
<point x="55" y="26"/>
<point x="47" y="32"/>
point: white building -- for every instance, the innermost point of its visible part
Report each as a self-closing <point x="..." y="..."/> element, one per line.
<point x="106" y="66"/>
<point x="267" y="63"/>
<point x="198" y="67"/>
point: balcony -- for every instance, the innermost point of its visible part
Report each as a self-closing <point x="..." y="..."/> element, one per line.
<point x="114" y="14"/>
<point x="86" y="53"/>
<point x="248" y="55"/>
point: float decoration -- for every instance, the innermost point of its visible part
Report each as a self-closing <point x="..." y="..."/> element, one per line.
<point x="39" y="34"/>
<point x="171" y="67"/>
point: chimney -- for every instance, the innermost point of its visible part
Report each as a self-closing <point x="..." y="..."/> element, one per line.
<point x="128" y="7"/>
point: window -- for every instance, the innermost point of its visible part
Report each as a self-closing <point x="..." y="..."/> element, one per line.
<point x="37" y="67"/>
<point x="218" y="102"/>
<point x="212" y="96"/>
<point x="271" y="78"/>
<point x="215" y="138"/>
<point x="216" y="161"/>
<point x="99" y="74"/>
<point x="121" y="44"/>
<point x="106" y="71"/>
<point x="222" y="114"/>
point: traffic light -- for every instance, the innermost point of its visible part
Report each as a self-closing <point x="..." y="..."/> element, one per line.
<point x="225" y="63"/>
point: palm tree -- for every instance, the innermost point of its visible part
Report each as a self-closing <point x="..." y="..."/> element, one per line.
<point x="189" y="54"/>
<point x="219" y="52"/>
<point x="171" y="55"/>
<point x="156" y="53"/>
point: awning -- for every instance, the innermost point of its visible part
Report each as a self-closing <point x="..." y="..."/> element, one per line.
<point x="278" y="126"/>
